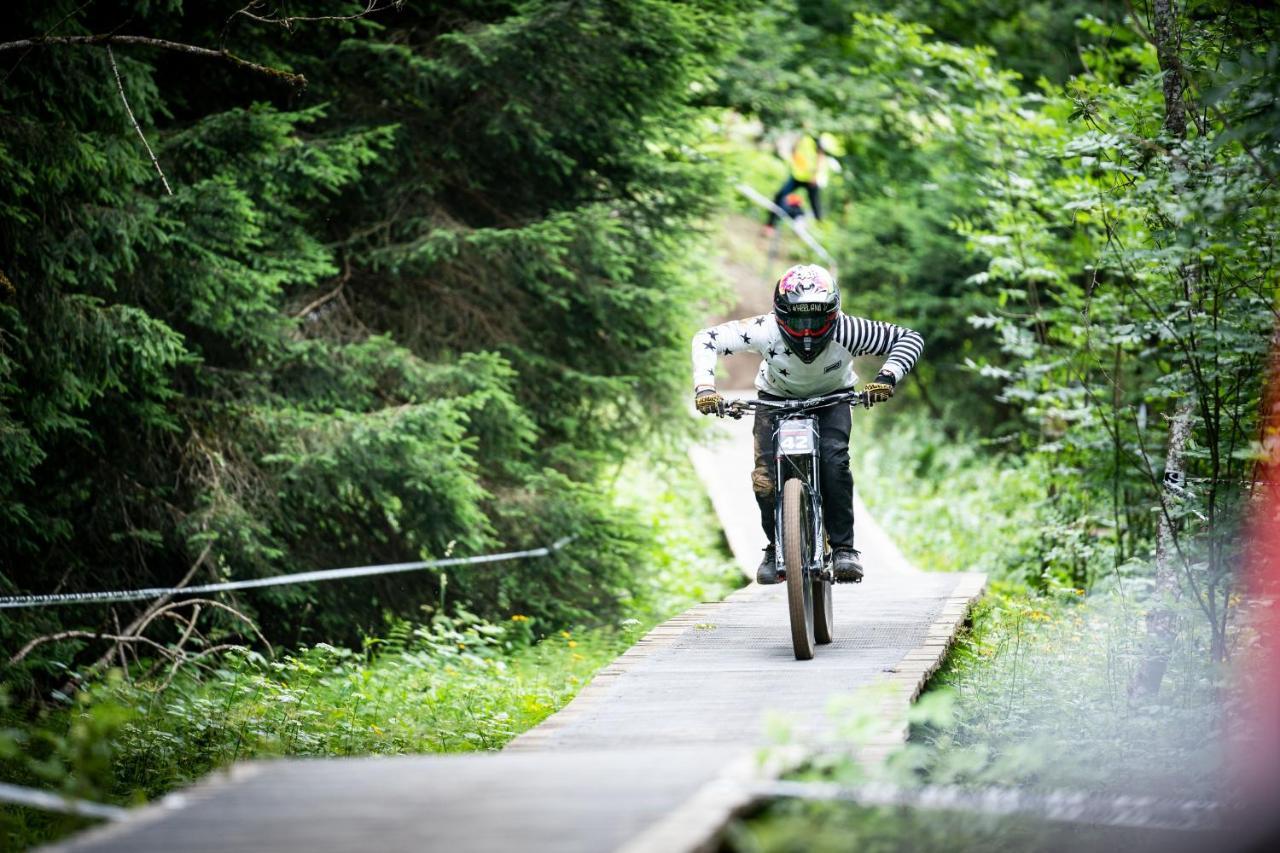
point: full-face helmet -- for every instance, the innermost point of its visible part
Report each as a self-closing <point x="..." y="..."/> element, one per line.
<point x="806" y="303"/>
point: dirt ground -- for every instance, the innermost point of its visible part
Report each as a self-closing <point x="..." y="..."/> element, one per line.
<point x="742" y="257"/>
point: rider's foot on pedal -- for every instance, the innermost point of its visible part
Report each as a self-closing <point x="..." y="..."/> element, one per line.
<point x="768" y="571"/>
<point x="847" y="564"/>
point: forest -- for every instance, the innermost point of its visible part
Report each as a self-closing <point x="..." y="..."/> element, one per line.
<point x="288" y="286"/>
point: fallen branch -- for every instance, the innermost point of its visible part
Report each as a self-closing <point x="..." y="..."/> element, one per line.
<point x="186" y="659"/>
<point x="371" y="6"/>
<point x="108" y="39"/>
<point x="210" y="603"/>
<point x="140" y="622"/>
<point x="319" y="302"/>
<point x="85" y="635"/>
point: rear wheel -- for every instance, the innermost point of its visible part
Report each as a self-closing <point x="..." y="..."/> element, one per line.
<point x="823" y="615"/>
<point x="797" y="548"/>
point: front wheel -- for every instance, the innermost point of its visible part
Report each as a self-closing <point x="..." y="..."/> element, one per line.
<point x="823" y="616"/>
<point x="797" y="547"/>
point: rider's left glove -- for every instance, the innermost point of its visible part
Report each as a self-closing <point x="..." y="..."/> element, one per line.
<point x="709" y="402"/>
<point x="879" y="390"/>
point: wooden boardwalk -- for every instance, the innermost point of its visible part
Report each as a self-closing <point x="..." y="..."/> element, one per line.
<point x="653" y="755"/>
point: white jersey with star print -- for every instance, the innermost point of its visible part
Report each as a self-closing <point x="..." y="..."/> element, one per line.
<point x="783" y="374"/>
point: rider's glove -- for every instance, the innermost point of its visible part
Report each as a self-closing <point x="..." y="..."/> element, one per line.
<point x="880" y="390"/>
<point x="709" y="402"/>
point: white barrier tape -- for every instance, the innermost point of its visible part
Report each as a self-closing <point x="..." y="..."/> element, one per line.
<point x="278" y="580"/>
<point x="51" y="802"/>
<point x="801" y="232"/>
<point x="1137" y="812"/>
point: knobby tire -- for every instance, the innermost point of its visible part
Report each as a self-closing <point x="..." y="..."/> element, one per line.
<point x="823" y="615"/>
<point x="797" y="539"/>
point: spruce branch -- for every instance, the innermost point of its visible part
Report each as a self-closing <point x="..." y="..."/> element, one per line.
<point x="108" y="39"/>
<point x="120" y="85"/>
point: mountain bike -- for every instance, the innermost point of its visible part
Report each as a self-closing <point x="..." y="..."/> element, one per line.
<point x="804" y="558"/>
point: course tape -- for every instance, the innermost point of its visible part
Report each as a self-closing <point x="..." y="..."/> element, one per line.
<point x="51" y="802"/>
<point x="278" y="580"/>
<point x="1137" y="812"/>
<point x="798" y="227"/>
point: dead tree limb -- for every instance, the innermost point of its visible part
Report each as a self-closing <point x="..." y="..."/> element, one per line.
<point x="208" y="602"/>
<point x="196" y="658"/>
<point x="129" y="110"/>
<point x="107" y="39"/>
<point x="305" y="312"/>
<point x="86" y="635"/>
<point x="370" y="7"/>
<point x="140" y="621"/>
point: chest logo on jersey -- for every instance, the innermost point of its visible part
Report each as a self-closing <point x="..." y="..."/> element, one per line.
<point x="835" y="365"/>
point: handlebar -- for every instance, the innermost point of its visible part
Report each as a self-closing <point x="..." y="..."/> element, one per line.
<point x="737" y="408"/>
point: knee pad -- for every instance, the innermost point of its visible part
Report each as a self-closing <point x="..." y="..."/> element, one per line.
<point x="761" y="482"/>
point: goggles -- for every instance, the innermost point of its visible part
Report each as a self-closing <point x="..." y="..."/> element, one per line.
<point x="808" y="325"/>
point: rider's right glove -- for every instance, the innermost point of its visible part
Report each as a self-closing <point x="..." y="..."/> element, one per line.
<point x="709" y="402"/>
<point x="878" y="391"/>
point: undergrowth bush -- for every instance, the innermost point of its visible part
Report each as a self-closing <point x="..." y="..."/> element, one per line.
<point x="454" y="683"/>
<point x="955" y="503"/>
<point x="1034" y="692"/>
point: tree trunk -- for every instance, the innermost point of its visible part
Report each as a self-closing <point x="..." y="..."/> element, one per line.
<point x="1175" y="112"/>
<point x="1162" y="622"/>
<point x="1162" y="625"/>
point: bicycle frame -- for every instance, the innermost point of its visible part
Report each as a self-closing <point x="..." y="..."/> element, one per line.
<point x="795" y="441"/>
<point x="796" y="454"/>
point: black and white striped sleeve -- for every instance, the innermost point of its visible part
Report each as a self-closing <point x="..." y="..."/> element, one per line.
<point x="861" y="336"/>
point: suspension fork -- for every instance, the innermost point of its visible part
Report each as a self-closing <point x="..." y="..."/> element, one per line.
<point x="788" y="466"/>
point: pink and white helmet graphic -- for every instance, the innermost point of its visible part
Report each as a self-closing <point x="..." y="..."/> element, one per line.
<point x="806" y="278"/>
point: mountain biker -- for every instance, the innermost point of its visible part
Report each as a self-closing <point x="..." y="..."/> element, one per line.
<point x="808" y="346"/>
<point x="810" y="161"/>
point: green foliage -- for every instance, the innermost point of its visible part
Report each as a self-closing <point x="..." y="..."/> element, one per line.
<point x="1081" y="271"/>
<point x="797" y="827"/>
<point x="453" y="684"/>
<point x="1075" y="271"/>
<point x="972" y="509"/>
<point x="417" y="309"/>
<point x="450" y="682"/>
<point x="1033" y="698"/>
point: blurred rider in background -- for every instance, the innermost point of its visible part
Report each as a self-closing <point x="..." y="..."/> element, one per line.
<point x="811" y="160"/>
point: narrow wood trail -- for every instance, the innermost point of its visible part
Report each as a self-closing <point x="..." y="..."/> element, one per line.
<point x="653" y="755"/>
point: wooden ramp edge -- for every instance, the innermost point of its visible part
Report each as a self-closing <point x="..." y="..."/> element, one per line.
<point x="697" y="825"/>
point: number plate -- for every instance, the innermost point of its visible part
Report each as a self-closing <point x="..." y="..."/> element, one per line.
<point x="795" y="438"/>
